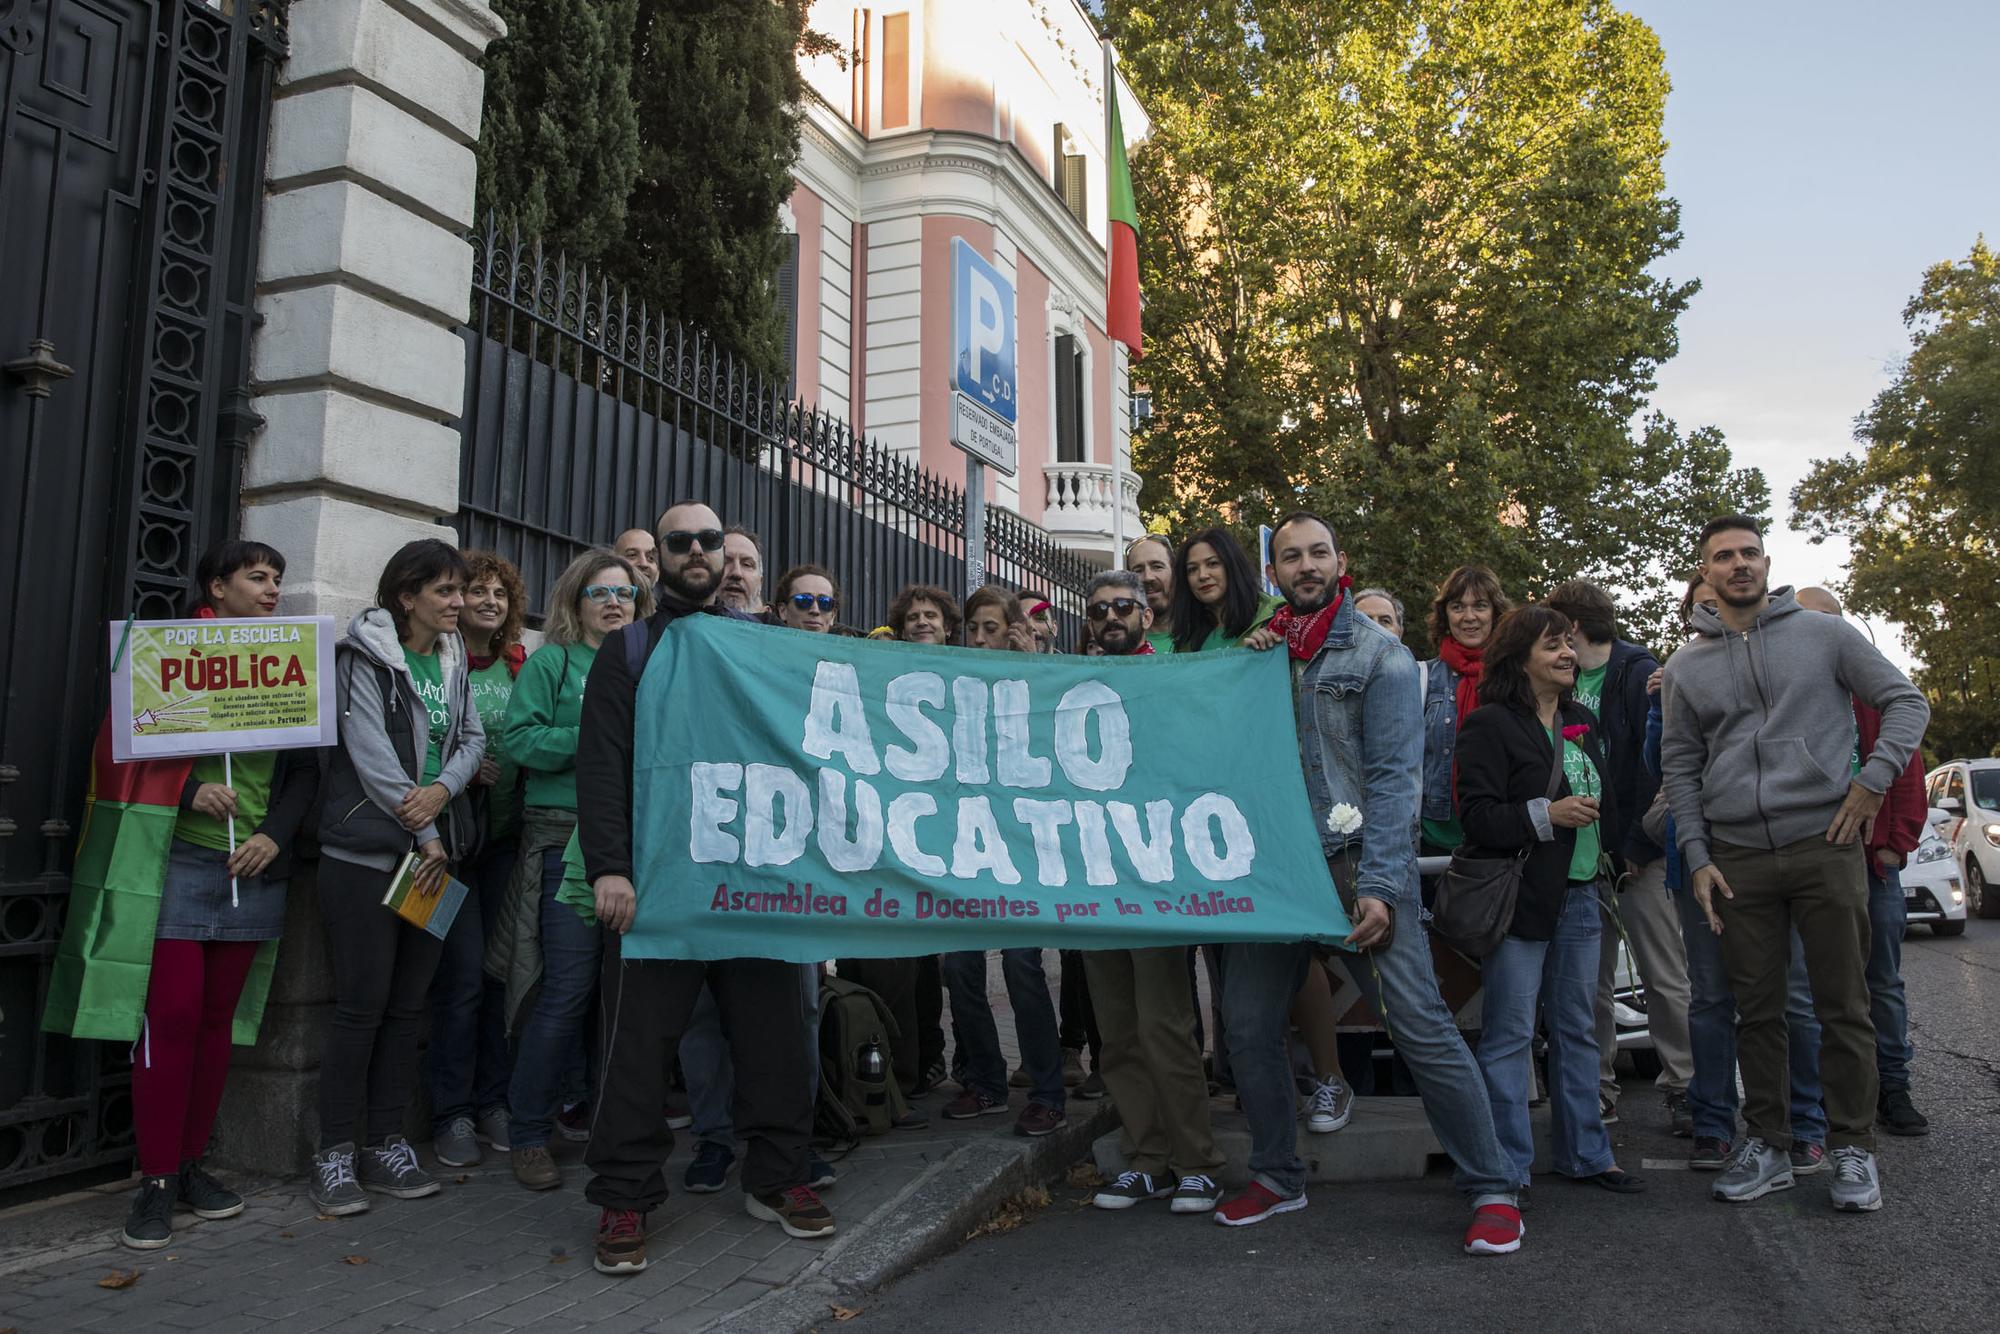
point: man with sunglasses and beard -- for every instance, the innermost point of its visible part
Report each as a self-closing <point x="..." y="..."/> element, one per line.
<point x="1151" y="1064"/>
<point x="647" y="1003"/>
<point x="1361" y="745"/>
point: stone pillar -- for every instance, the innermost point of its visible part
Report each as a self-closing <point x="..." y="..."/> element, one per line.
<point x="363" y="276"/>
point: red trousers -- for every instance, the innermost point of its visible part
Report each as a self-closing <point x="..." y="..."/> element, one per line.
<point x="182" y="1057"/>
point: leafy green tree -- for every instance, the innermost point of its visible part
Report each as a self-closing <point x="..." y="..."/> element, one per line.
<point x="719" y="95"/>
<point x="559" y="140"/>
<point x="1921" y="506"/>
<point x="1399" y="263"/>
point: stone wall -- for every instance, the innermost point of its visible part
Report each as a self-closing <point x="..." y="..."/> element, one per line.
<point x="363" y="275"/>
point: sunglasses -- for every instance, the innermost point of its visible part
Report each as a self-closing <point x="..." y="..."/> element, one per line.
<point x="681" y="541"/>
<point x="807" y="601"/>
<point x="606" y="592"/>
<point x="1097" y="611"/>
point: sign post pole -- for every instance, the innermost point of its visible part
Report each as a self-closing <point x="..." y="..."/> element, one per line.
<point x="975" y="525"/>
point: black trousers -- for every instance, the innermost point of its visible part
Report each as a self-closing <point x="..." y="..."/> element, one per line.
<point x="645" y="1007"/>
<point x="930" y="1012"/>
<point x="382" y="969"/>
<point x="1079" y="1019"/>
<point x="895" y="981"/>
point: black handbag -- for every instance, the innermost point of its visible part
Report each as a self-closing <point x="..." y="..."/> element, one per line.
<point x="1476" y="895"/>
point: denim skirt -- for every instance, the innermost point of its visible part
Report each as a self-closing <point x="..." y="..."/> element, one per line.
<point x="194" y="900"/>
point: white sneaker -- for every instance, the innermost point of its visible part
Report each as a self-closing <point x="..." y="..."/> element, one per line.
<point x="1856" y="1187"/>
<point x="1330" y="1107"/>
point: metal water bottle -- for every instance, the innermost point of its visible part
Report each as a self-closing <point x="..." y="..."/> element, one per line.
<point x="872" y="1070"/>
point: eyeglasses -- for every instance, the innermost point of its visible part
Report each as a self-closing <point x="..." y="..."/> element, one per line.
<point x="1097" y="611"/>
<point x="681" y="540"/>
<point x="606" y="592"/>
<point x="807" y="601"/>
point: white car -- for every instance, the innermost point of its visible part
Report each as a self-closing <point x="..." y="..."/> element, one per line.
<point x="1932" y="892"/>
<point x="1968" y="791"/>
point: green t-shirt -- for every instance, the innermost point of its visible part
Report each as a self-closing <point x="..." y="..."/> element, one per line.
<point x="428" y="671"/>
<point x="1267" y="607"/>
<point x="251" y="775"/>
<point x="492" y="687"/>
<point x="1590" y="689"/>
<point x="1446" y="834"/>
<point x="1583" y="782"/>
<point x="545" y="719"/>
<point x="1161" y="640"/>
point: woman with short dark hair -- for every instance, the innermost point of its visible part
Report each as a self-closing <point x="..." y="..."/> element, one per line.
<point x="1217" y="598"/>
<point x="1527" y="739"/>
<point x="200" y="898"/>
<point x="410" y="746"/>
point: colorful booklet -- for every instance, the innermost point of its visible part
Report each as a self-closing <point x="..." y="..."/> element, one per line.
<point x="430" y="912"/>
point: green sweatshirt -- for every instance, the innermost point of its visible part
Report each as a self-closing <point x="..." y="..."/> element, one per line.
<point x="543" y="719"/>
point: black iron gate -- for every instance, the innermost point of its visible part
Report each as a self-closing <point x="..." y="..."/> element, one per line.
<point x="131" y="168"/>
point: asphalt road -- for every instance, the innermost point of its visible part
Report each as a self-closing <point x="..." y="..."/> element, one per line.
<point x="1387" y="1256"/>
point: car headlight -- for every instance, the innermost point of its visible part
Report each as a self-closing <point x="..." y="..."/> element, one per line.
<point x="1957" y="895"/>
<point x="1933" y="850"/>
<point x="1992" y="833"/>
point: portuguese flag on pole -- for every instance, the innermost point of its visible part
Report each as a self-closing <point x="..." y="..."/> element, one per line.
<point x="1122" y="293"/>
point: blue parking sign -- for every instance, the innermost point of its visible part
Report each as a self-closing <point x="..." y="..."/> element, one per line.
<point x="983" y="364"/>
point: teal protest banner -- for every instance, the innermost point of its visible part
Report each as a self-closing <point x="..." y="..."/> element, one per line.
<point x="802" y="797"/>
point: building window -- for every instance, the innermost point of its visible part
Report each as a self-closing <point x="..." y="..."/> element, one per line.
<point x="1068" y="177"/>
<point x="1072" y="399"/>
<point x="788" y="309"/>
<point x="895" y="70"/>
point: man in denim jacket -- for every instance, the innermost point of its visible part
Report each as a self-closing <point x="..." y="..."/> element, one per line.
<point x="1361" y="746"/>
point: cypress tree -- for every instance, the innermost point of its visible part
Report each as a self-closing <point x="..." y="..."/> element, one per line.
<point x="719" y="90"/>
<point x="559" y="144"/>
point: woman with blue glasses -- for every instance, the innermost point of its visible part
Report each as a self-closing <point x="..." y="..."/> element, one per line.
<point x="539" y="939"/>
<point x="808" y="599"/>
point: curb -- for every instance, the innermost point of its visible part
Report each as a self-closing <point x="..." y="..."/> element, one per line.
<point x="926" y="1219"/>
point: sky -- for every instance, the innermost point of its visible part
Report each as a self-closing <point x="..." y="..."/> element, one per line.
<point x="1824" y="154"/>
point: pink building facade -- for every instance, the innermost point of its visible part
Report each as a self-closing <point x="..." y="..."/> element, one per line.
<point x="982" y="119"/>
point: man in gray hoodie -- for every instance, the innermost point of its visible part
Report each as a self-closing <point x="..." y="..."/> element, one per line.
<point x="1772" y="803"/>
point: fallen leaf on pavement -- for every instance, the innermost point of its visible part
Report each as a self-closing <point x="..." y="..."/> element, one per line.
<point x="559" y="1259"/>
<point x="285" y="1235"/>
<point x="325" y="1218"/>
<point x="119" y="1278"/>
<point x="1084" y="1174"/>
<point x="844" y="1312"/>
<point x="355" y="1260"/>
<point x="1012" y="1212"/>
<point x="460" y="1181"/>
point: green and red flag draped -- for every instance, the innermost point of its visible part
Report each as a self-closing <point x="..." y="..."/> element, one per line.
<point x="1122" y="292"/>
<point x="97" y="988"/>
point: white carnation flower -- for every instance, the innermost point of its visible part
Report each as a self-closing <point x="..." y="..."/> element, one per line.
<point x="1343" y="819"/>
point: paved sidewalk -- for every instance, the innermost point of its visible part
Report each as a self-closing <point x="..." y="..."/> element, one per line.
<point x="486" y="1254"/>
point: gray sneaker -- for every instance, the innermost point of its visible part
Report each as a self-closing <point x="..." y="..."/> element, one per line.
<point x="456" y="1143"/>
<point x="334" y="1190"/>
<point x="491" y="1127"/>
<point x="1755" y="1171"/>
<point x="1856" y="1187"/>
<point x="391" y="1169"/>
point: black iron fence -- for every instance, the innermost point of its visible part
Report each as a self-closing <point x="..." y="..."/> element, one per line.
<point x="586" y="414"/>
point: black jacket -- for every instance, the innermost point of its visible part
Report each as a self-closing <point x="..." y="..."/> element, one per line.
<point x="1624" y="708"/>
<point x="604" y="741"/>
<point x="1504" y="757"/>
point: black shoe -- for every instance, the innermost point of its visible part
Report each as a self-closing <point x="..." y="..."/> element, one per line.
<point x="1897" y="1115"/>
<point x="150" y="1225"/>
<point x="205" y="1197"/>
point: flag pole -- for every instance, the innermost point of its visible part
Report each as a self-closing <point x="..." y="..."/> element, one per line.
<point x="1117" y="466"/>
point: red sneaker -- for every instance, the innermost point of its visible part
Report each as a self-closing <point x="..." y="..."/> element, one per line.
<point x="1496" y="1230"/>
<point x="1255" y="1205"/>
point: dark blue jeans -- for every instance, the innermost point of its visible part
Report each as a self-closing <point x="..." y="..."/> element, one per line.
<point x="552" y="1034"/>
<point x="466" y="1067"/>
<point x="1034" y="1024"/>
<point x="1888" y="918"/>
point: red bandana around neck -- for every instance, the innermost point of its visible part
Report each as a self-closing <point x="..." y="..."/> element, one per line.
<point x="1304" y="634"/>
<point x="1467" y="662"/>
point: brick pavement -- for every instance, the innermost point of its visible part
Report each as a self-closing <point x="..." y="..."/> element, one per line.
<point x="485" y="1254"/>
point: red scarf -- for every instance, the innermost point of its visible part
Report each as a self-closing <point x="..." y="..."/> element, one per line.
<point x="1467" y="662"/>
<point x="1304" y="634"/>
